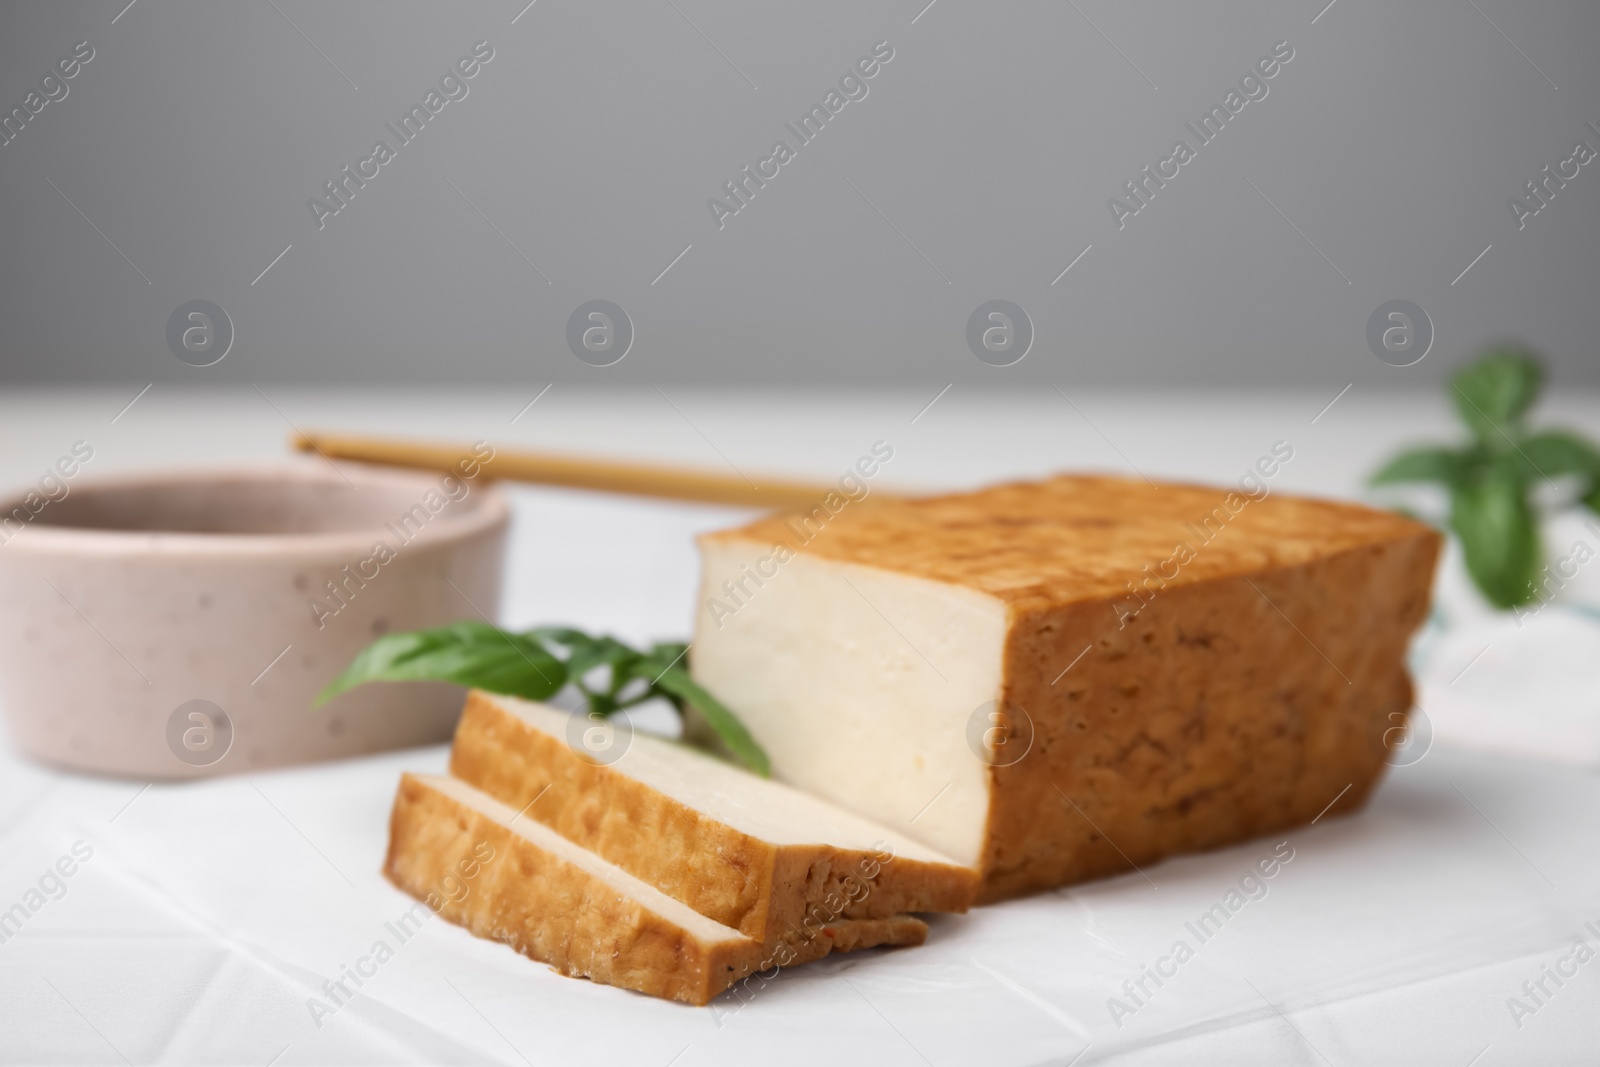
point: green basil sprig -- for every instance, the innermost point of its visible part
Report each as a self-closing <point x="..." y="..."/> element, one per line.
<point x="1491" y="479"/>
<point x="525" y="665"/>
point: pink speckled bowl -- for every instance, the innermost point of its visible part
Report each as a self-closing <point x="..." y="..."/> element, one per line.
<point x="166" y="625"/>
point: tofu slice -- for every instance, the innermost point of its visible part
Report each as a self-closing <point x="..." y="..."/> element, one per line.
<point x="769" y="860"/>
<point x="1053" y="681"/>
<point x="472" y="860"/>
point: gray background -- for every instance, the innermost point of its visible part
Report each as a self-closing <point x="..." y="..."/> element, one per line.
<point x="981" y="161"/>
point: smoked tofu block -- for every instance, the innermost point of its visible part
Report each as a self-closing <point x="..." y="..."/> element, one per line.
<point x="472" y="860"/>
<point x="1055" y="681"/>
<point x="774" y="863"/>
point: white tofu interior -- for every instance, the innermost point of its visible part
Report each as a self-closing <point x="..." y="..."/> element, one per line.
<point x="652" y="899"/>
<point x="760" y="807"/>
<point x="860" y="684"/>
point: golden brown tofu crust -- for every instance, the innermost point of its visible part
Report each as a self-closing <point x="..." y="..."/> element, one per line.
<point x="1224" y="710"/>
<point x="1231" y="694"/>
<point x="479" y="874"/>
<point x="1070" y="538"/>
<point x="771" y="893"/>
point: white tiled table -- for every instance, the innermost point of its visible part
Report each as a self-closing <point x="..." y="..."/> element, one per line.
<point x="209" y="915"/>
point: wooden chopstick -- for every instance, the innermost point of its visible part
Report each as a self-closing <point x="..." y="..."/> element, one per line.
<point x="544" y="468"/>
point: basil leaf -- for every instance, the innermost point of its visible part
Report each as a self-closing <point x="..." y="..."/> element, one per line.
<point x="1499" y="537"/>
<point x="466" y="653"/>
<point x="585" y="653"/>
<point x="1443" y="465"/>
<point x="671" y="651"/>
<point x="1493" y="393"/>
<point x="486" y="657"/>
<point x="1556" y="452"/>
<point x="605" y="652"/>
<point x="682" y="689"/>
<point x="561" y="635"/>
<point x="1492" y="481"/>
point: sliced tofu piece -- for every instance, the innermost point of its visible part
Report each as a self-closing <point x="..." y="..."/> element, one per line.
<point x="1057" y="680"/>
<point x="474" y="861"/>
<point x="769" y="860"/>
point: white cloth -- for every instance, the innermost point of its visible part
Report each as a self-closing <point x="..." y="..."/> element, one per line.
<point x="1525" y="681"/>
<point x="206" y="922"/>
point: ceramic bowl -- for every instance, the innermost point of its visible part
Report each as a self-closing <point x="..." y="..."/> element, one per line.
<point x="177" y="625"/>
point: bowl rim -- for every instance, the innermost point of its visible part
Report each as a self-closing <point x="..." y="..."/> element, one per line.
<point x="452" y="526"/>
